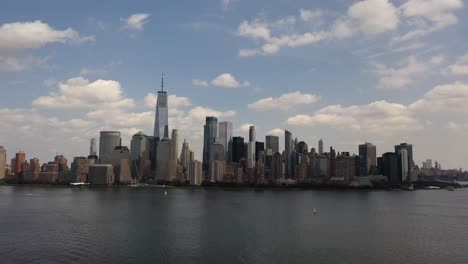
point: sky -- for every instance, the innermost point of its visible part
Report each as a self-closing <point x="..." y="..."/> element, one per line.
<point x="349" y="72"/>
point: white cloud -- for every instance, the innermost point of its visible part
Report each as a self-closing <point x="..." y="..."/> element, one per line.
<point x="451" y="98"/>
<point x="310" y="15"/>
<point x="79" y="93"/>
<point x="135" y="21"/>
<point x="460" y="67"/>
<point x="244" y="128"/>
<point x="401" y="76"/>
<point x="225" y="80"/>
<point x="370" y="17"/>
<point x="457" y="126"/>
<point x="377" y="117"/>
<point x="374" y="16"/>
<point x="174" y="102"/>
<point x="226" y="4"/>
<point x="276" y="132"/>
<point x="31" y="35"/>
<point x="284" y="102"/>
<point x="428" y="16"/>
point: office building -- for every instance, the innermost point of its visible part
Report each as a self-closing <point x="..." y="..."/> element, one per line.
<point x="101" y="174"/>
<point x="389" y="167"/>
<point x="320" y="147"/>
<point x="210" y="133"/>
<point x="186" y="157"/>
<point x="225" y="134"/>
<point x="140" y="152"/>
<point x="302" y="148"/>
<point x="122" y="165"/>
<point x="34" y="168"/>
<point x="367" y="159"/>
<point x="259" y="151"/>
<point x="272" y="142"/>
<point x="277" y="166"/>
<point x="237" y="149"/>
<point x="79" y="169"/>
<point x="108" y="140"/>
<point x="403" y="165"/>
<point x="195" y="172"/>
<point x="92" y="147"/>
<point x="288" y="148"/>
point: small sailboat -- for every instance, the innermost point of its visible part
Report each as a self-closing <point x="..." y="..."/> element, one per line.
<point x="165" y="192"/>
<point x="315" y="211"/>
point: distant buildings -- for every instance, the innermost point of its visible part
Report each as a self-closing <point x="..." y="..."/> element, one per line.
<point x="140" y="153"/>
<point x="210" y="132"/>
<point x="122" y="165"/>
<point x="3" y="157"/>
<point x="225" y="134"/>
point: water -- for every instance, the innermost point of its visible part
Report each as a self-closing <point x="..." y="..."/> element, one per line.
<point x="67" y="225"/>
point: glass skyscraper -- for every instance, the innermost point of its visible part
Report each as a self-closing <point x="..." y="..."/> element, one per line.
<point x="209" y="137"/>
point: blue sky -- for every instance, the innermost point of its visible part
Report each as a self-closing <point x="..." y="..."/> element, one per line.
<point x="346" y="71"/>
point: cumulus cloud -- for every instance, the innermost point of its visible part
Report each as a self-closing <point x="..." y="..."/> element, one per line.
<point x="374" y="16"/>
<point x="284" y="102"/>
<point x="135" y="21"/>
<point x="276" y="132"/>
<point x="429" y="16"/>
<point x="451" y="98"/>
<point x="80" y="93"/>
<point x="376" y="117"/>
<point x="174" y="101"/>
<point x="31" y="35"/>
<point x="371" y="17"/>
<point x="401" y="76"/>
<point x="225" y="80"/>
<point x="460" y="67"/>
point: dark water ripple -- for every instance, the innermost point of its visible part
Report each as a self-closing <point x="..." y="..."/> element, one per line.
<point x="65" y="225"/>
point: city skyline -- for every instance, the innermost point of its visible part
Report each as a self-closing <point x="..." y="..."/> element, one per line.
<point x="386" y="83"/>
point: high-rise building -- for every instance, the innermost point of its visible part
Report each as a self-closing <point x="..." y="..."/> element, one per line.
<point x="251" y="148"/>
<point x="252" y="136"/>
<point x="122" y="165"/>
<point x="166" y="167"/>
<point x="161" y="120"/>
<point x="108" y="140"/>
<point x="217" y="170"/>
<point x="209" y="137"/>
<point x="237" y="149"/>
<point x="101" y="174"/>
<point x="62" y="162"/>
<point x="34" y="168"/>
<point x="320" y="147"/>
<point x="225" y="134"/>
<point x="185" y="158"/>
<point x="79" y="169"/>
<point x="3" y="157"/>
<point x="259" y="148"/>
<point x="217" y="151"/>
<point x="345" y="167"/>
<point x="332" y="163"/>
<point x="20" y="157"/>
<point x="195" y="172"/>
<point x="403" y="165"/>
<point x="367" y="159"/>
<point x="301" y="148"/>
<point x="140" y="152"/>
<point x="92" y="147"/>
<point x="288" y="148"/>
<point x="277" y="166"/>
<point x="409" y="153"/>
<point x="390" y="167"/>
<point x="272" y="142"/>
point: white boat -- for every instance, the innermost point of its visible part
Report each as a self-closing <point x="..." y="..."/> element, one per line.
<point x="78" y="184"/>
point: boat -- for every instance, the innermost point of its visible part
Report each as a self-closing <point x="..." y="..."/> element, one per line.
<point x="315" y="211"/>
<point x="165" y="192"/>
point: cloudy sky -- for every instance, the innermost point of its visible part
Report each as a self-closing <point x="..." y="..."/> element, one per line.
<point x="346" y="71"/>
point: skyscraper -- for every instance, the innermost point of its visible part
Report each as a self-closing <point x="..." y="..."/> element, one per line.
<point x="272" y="142"/>
<point x="237" y="149"/>
<point x="251" y="148"/>
<point x="185" y="158"/>
<point x="288" y="148"/>
<point x="367" y="159"/>
<point x="403" y="165"/>
<point x="3" y="157"/>
<point x="225" y="134"/>
<point x="108" y="140"/>
<point x="161" y="118"/>
<point x="409" y="153"/>
<point x="166" y="167"/>
<point x="92" y="147"/>
<point x="302" y="148"/>
<point x="259" y="148"/>
<point x="122" y="163"/>
<point x="277" y="166"/>
<point x="140" y="152"/>
<point x="320" y="147"/>
<point x="390" y="167"/>
<point x="209" y="137"/>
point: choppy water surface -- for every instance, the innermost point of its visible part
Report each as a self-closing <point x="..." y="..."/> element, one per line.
<point x="67" y="225"/>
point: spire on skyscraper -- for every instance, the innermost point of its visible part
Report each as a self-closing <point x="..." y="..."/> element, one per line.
<point x="162" y="82"/>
